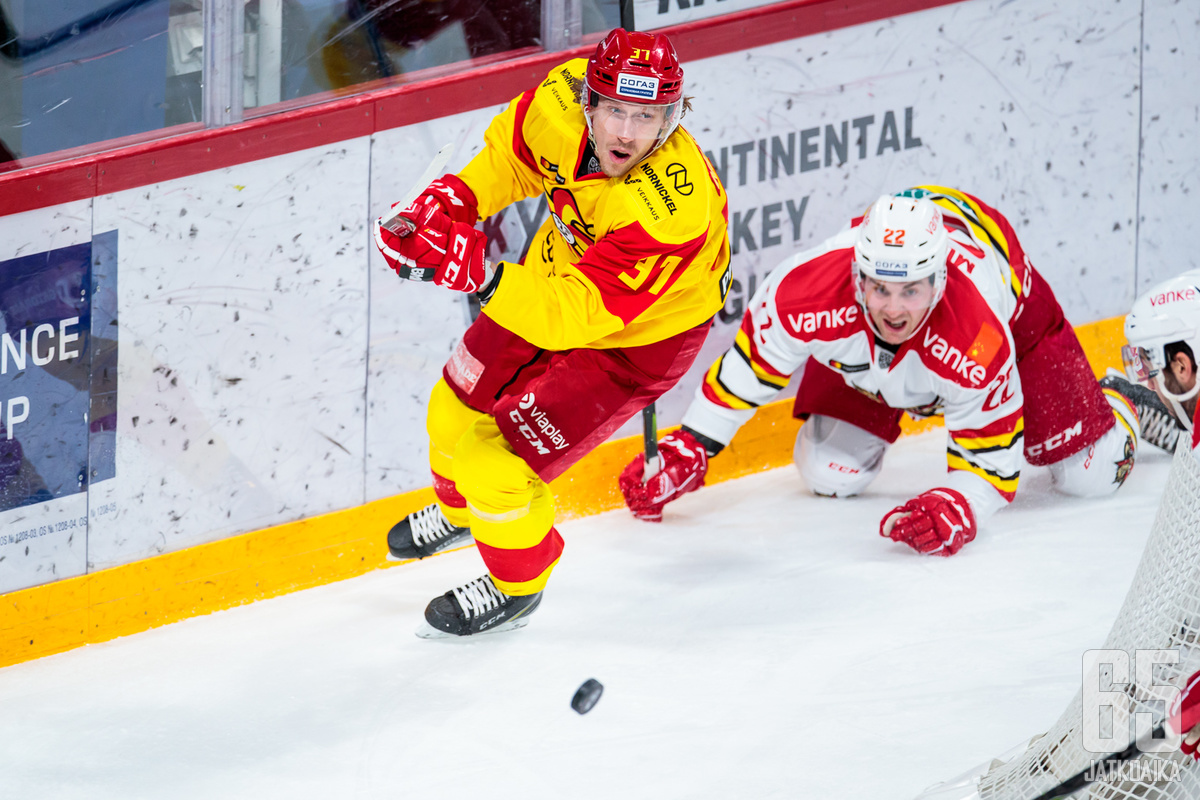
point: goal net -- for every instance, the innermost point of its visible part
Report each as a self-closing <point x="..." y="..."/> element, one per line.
<point x="1161" y="612"/>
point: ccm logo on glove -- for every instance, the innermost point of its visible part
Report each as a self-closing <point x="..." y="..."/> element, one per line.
<point x="451" y="254"/>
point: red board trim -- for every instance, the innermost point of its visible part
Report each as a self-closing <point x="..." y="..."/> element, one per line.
<point x="129" y="165"/>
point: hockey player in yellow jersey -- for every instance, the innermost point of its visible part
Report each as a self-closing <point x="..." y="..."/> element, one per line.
<point x="607" y="311"/>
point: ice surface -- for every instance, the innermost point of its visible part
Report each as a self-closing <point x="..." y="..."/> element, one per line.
<point x="759" y="643"/>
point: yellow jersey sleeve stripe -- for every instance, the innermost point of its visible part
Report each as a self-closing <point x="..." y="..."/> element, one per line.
<point x="1005" y="484"/>
<point x="712" y="381"/>
<point x="998" y="442"/>
<point x="1121" y="419"/>
<point x="980" y="222"/>
<point x="742" y="342"/>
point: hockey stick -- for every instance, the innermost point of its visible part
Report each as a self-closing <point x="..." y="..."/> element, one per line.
<point x="401" y="225"/>
<point x="627" y="16"/>
<point x="1080" y="780"/>
<point x="650" y="439"/>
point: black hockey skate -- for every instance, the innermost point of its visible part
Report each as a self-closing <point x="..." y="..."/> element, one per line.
<point x="1158" y="425"/>
<point x="476" y="607"/>
<point x="423" y="533"/>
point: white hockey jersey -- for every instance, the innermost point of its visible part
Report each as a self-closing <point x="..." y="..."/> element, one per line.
<point x="959" y="363"/>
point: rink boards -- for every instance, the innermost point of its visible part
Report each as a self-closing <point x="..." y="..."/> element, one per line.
<point x="269" y="374"/>
<point x="232" y="571"/>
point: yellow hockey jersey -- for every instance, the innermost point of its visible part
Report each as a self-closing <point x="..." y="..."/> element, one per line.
<point x="620" y="262"/>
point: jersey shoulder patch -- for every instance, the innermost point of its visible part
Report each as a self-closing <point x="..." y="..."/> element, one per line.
<point x="561" y="87"/>
<point x="963" y="341"/>
<point x="554" y="124"/>
<point x="814" y="299"/>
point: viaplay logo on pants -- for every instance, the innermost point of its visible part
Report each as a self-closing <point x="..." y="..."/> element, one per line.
<point x="544" y="425"/>
<point x="639" y="86"/>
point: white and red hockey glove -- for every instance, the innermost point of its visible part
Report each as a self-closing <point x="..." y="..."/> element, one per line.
<point x="1185" y="716"/>
<point x="683" y="463"/>
<point x="938" y="523"/>
<point x="451" y="254"/>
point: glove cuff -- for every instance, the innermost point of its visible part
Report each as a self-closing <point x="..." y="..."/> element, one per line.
<point x="469" y="211"/>
<point x="489" y="289"/>
<point x="711" y="446"/>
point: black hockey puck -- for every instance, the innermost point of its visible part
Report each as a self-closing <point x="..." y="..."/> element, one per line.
<point x="587" y="695"/>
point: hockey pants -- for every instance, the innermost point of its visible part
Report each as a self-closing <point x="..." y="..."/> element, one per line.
<point x="508" y="417"/>
<point x="510" y="511"/>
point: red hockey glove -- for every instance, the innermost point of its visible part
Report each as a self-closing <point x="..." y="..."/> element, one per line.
<point x="445" y="200"/>
<point x="451" y="254"/>
<point x="453" y="197"/>
<point x="1185" y="716"/>
<point x="683" y="462"/>
<point x="938" y="522"/>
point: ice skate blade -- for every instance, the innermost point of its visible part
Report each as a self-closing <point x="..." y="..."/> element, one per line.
<point x="459" y="544"/>
<point x="427" y="631"/>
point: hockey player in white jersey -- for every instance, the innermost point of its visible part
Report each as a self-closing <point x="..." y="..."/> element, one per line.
<point x="1163" y="333"/>
<point x="927" y="304"/>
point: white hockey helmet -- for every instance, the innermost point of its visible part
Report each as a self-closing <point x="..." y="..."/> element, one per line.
<point x="1167" y="314"/>
<point x="901" y="240"/>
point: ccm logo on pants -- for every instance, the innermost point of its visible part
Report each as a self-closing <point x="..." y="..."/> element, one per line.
<point x="1057" y="440"/>
<point x="538" y="418"/>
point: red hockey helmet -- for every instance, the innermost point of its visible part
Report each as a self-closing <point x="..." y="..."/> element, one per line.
<point x="636" y="67"/>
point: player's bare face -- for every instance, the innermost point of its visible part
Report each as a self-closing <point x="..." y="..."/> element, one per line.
<point x="897" y="309"/>
<point x="624" y="133"/>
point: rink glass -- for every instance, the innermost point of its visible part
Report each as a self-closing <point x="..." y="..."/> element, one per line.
<point x="75" y="74"/>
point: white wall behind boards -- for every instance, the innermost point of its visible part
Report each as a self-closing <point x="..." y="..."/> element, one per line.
<point x="414" y="327"/>
<point x="271" y="367"/>
<point x="1170" y="179"/>
<point x="243" y="351"/>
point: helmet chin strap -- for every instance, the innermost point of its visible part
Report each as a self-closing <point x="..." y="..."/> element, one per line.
<point x="1188" y="395"/>
<point x="1176" y="401"/>
<point x="1181" y="415"/>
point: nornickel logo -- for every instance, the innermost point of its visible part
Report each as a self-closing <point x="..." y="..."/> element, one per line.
<point x="678" y="173"/>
